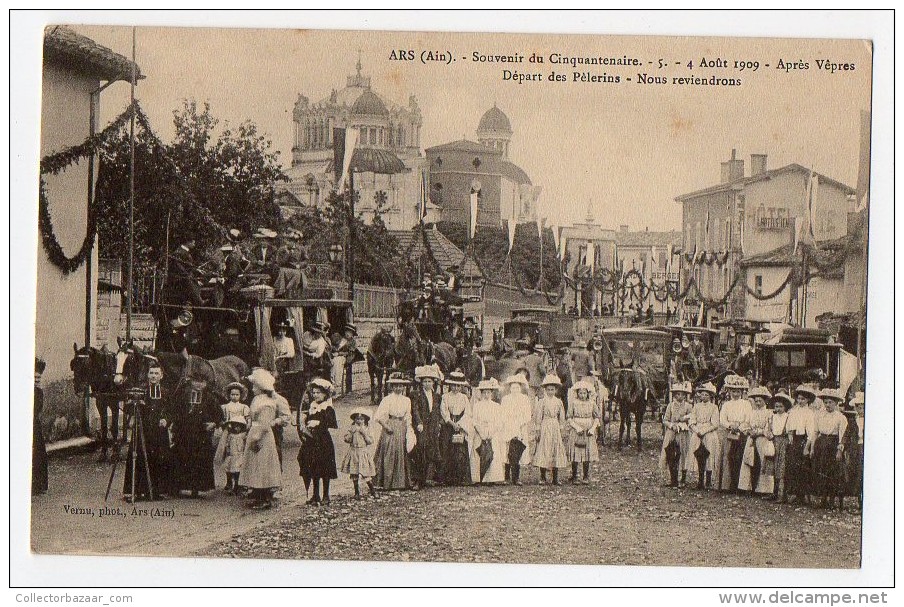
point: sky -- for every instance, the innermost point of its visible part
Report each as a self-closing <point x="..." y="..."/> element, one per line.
<point x="624" y="151"/>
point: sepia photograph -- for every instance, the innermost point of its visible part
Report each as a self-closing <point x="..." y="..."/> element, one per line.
<point x="450" y="297"/>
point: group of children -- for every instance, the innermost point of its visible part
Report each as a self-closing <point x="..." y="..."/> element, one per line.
<point x="432" y="437"/>
<point x="784" y="448"/>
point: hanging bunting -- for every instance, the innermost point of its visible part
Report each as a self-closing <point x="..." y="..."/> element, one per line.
<point x="473" y="216"/>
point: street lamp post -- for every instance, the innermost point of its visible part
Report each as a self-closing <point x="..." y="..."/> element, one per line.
<point x="335" y="252"/>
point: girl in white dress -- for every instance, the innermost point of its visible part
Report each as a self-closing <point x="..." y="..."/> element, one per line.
<point x="517" y="410"/>
<point x="549" y="417"/>
<point x="489" y="433"/>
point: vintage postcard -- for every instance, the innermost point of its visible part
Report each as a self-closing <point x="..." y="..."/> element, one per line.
<point x="452" y="297"/>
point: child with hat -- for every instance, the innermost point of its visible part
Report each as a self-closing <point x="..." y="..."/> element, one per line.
<point x="317" y="455"/>
<point x="778" y="428"/>
<point x="828" y="450"/>
<point x="549" y="416"/>
<point x="676" y="434"/>
<point x="231" y="449"/>
<point x="455" y="451"/>
<point x="756" y="475"/>
<point x="358" y="462"/>
<point x="397" y="436"/>
<point x="704" y="446"/>
<point x="583" y="419"/>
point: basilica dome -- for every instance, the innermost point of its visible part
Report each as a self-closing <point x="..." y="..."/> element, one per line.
<point x="368" y="104"/>
<point x="495" y="120"/>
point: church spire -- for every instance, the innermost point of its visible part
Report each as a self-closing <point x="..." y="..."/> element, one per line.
<point x="358" y="65"/>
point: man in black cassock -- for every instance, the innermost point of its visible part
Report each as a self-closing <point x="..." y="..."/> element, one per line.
<point x="193" y="416"/>
<point x="154" y="408"/>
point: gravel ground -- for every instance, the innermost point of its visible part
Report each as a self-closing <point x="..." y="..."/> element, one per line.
<point x="623" y="517"/>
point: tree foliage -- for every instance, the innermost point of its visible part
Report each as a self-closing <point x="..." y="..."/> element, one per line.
<point x="377" y="258"/>
<point x="202" y="184"/>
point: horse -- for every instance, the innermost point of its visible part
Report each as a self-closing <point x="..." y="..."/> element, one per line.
<point x="380" y="360"/>
<point x="411" y="350"/>
<point x="633" y="392"/>
<point x="132" y="364"/>
<point x="92" y="373"/>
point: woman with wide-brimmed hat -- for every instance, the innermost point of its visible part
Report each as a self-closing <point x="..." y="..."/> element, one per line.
<point x="517" y="410"/>
<point x="397" y="438"/>
<point x="549" y="417"/>
<point x="801" y="428"/>
<point x="778" y="429"/>
<point x="317" y="455"/>
<point x="261" y="470"/>
<point x="756" y="476"/>
<point x="488" y="453"/>
<point x="704" y="448"/>
<point x="828" y="450"/>
<point x="676" y="435"/>
<point x="456" y="430"/>
<point x="733" y="415"/>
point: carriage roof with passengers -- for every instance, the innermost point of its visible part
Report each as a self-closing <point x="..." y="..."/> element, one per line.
<point x="250" y="327"/>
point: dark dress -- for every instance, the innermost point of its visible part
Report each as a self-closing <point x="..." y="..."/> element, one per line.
<point x="38" y="448"/>
<point x="853" y="455"/>
<point x="157" y="405"/>
<point x="317" y="456"/>
<point x="192" y="448"/>
<point x="456" y="455"/>
<point x="426" y="457"/>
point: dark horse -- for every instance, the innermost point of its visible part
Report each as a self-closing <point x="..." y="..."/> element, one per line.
<point x="380" y="361"/>
<point x="132" y="364"/>
<point x="633" y="393"/>
<point x="92" y="372"/>
<point x="411" y="350"/>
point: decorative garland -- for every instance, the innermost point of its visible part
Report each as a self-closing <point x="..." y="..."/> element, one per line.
<point x="53" y="164"/>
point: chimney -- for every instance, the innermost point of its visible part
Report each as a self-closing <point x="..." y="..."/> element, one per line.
<point x="733" y="169"/>
<point x="757" y="164"/>
<point x="623" y="229"/>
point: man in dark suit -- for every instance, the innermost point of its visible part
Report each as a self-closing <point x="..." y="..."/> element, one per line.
<point x="181" y="275"/>
<point x="427" y="420"/>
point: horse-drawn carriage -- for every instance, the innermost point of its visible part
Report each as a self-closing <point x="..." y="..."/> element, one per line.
<point x="275" y="334"/>
<point x="796" y="356"/>
<point x="540" y="325"/>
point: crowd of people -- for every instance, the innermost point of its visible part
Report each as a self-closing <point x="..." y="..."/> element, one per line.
<point x="799" y="448"/>
<point x="437" y="430"/>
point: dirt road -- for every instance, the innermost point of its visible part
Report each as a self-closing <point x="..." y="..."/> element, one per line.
<point x="624" y="516"/>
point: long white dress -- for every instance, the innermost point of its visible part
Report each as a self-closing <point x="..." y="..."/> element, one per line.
<point x="488" y="423"/>
<point x="517" y="410"/>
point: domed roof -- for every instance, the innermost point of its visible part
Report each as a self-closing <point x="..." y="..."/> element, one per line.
<point x="369" y="104"/>
<point x="495" y="120"/>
